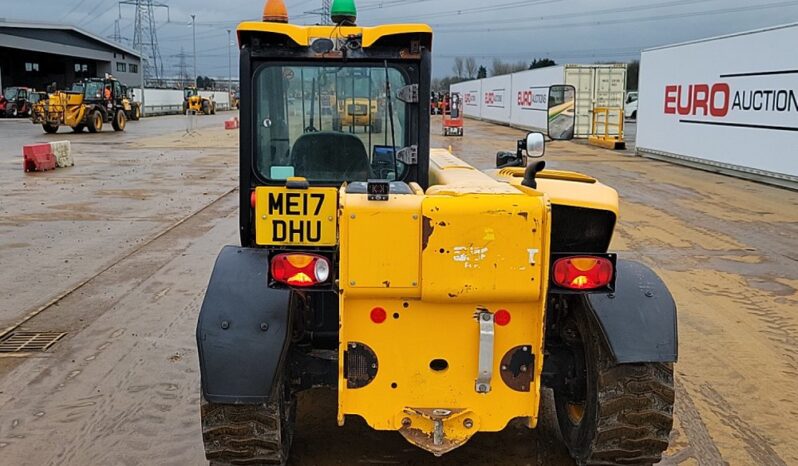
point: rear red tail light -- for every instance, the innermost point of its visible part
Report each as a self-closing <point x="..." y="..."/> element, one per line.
<point x="583" y="272"/>
<point x="300" y="270"/>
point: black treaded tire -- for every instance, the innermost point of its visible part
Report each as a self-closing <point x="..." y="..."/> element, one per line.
<point x="627" y="412"/>
<point x="120" y="120"/>
<point x="95" y="122"/>
<point x="135" y="114"/>
<point x="78" y="128"/>
<point x="248" y="434"/>
<point x="206" y="107"/>
<point x="49" y="128"/>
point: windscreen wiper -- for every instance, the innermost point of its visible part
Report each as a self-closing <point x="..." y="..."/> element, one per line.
<point x="390" y="117"/>
<point x="311" y="128"/>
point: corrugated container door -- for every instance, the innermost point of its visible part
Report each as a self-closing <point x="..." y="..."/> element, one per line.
<point x="609" y="91"/>
<point x="582" y="79"/>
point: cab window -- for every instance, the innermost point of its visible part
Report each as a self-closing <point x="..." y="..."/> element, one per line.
<point x="329" y="123"/>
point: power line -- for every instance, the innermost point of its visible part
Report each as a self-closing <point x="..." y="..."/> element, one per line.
<point x="460" y="30"/>
<point x="480" y="9"/>
<point x="606" y="11"/>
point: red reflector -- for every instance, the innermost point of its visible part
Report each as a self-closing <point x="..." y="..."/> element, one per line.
<point x="378" y="315"/>
<point x="253" y="199"/>
<point x="583" y="272"/>
<point x="300" y="270"/>
<point x="502" y="317"/>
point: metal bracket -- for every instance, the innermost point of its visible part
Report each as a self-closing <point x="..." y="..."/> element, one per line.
<point x="486" y="340"/>
<point x="408" y="94"/>
<point x="408" y="155"/>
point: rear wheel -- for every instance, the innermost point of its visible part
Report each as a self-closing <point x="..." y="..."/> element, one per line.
<point x="135" y="115"/>
<point x="612" y="413"/>
<point x="120" y="121"/>
<point x="50" y="128"/>
<point x="206" y="108"/>
<point x="249" y="434"/>
<point x="78" y="128"/>
<point x="95" y="122"/>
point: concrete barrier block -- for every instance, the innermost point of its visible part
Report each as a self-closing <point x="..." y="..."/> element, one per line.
<point x="38" y="157"/>
<point x="231" y="124"/>
<point x="63" y="153"/>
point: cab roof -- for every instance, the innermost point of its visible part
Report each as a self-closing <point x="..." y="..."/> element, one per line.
<point x="304" y="35"/>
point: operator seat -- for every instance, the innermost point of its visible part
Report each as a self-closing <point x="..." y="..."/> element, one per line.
<point x="330" y="156"/>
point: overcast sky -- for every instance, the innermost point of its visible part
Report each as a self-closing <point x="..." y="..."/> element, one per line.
<point x="568" y="31"/>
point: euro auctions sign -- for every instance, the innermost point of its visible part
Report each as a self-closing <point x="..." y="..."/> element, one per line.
<point x="735" y="102"/>
<point x="730" y="102"/>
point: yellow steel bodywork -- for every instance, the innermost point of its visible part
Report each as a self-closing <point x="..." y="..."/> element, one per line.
<point x="195" y="103"/>
<point x="432" y="261"/>
<point x="60" y="108"/>
<point x="565" y="188"/>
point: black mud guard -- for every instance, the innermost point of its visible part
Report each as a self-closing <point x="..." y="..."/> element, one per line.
<point x="639" y="319"/>
<point x="242" y="332"/>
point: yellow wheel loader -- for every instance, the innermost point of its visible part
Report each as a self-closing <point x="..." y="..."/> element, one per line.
<point x="195" y="103"/>
<point x="88" y="105"/>
<point x="435" y="299"/>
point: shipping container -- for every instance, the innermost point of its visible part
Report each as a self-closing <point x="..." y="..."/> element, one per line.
<point x="509" y="99"/>
<point x="726" y="104"/>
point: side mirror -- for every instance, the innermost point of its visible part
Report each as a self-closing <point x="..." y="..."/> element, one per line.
<point x="534" y="145"/>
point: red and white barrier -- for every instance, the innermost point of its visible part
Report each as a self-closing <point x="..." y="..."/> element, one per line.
<point x="47" y="156"/>
<point x="232" y="123"/>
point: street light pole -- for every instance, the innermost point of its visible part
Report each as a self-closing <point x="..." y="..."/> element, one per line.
<point x="194" y="33"/>
<point x="142" y="74"/>
<point x="229" y="71"/>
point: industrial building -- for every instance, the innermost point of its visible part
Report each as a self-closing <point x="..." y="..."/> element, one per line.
<point x="39" y="54"/>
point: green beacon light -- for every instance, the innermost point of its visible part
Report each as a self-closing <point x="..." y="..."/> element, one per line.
<point x="343" y="12"/>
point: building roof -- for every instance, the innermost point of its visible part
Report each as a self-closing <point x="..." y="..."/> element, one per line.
<point x="69" y="28"/>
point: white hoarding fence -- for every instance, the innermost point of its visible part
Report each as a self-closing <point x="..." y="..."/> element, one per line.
<point x="472" y="97"/>
<point x="496" y="99"/>
<point x="729" y="104"/>
<point x="521" y="99"/>
<point x="170" y="101"/>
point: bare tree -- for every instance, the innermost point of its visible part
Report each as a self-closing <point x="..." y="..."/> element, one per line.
<point x="499" y="67"/>
<point x="471" y="67"/>
<point x="459" y="66"/>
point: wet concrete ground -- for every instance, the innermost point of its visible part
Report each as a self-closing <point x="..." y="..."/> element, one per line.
<point x="117" y="250"/>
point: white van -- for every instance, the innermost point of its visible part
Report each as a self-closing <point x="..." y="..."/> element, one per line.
<point x="630" y="106"/>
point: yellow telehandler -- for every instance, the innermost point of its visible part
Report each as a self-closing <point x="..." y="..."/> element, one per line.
<point x="437" y="300"/>
<point x="88" y="105"/>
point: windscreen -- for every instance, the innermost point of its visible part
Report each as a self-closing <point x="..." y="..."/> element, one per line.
<point x="93" y="90"/>
<point x="329" y="123"/>
<point x="11" y="93"/>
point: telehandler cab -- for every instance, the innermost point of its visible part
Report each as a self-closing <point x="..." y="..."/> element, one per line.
<point x="437" y="300"/>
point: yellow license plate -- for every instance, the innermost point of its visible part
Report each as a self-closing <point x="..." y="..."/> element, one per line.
<point x="295" y="217"/>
